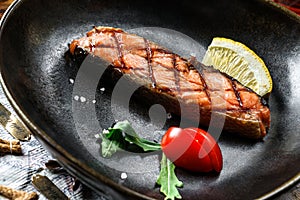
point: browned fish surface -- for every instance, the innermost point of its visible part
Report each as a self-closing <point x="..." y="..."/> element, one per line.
<point x="175" y="78"/>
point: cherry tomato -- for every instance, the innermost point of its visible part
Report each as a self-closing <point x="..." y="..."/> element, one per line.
<point x="192" y="149"/>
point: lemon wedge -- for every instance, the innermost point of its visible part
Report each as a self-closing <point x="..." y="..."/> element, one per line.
<point x="239" y="62"/>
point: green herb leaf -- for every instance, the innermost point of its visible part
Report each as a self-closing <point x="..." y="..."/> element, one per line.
<point x="111" y="142"/>
<point x="144" y="144"/>
<point x="120" y="136"/>
<point x="168" y="180"/>
<point x="132" y="136"/>
<point x="108" y="147"/>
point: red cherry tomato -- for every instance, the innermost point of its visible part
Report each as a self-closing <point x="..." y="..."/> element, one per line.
<point x="192" y="149"/>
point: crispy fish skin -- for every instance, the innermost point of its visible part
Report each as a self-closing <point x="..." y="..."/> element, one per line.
<point x="176" y="79"/>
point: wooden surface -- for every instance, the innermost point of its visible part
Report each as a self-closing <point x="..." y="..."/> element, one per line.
<point x="292" y="193"/>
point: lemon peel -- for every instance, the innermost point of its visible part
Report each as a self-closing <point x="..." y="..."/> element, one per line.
<point x="239" y="62"/>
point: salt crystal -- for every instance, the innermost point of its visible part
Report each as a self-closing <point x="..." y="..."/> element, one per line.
<point x="105" y="131"/>
<point x="123" y="175"/>
<point x="76" y="98"/>
<point x="82" y="99"/>
<point x="71" y="80"/>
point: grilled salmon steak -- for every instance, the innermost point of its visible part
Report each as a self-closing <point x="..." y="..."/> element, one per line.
<point x="202" y="90"/>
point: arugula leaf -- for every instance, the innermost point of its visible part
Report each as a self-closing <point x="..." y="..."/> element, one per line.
<point x="144" y="144"/>
<point x="111" y="142"/>
<point x="122" y="135"/>
<point x="167" y="179"/>
<point x="108" y="147"/>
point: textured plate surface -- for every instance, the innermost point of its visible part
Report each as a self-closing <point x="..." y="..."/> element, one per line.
<point x="36" y="77"/>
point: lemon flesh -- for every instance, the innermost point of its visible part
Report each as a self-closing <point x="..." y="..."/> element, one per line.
<point x="239" y="62"/>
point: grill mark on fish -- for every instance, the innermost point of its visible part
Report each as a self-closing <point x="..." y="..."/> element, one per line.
<point x="176" y="74"/>
<point x="236" y="92"/>
<point x="131" y="68"/>
<point x="120" y="54"/>
<point x="160" y="50"/>
<point x="149" y="57"/>
<point x="205" y="88"/>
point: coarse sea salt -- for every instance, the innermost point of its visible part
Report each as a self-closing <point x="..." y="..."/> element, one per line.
<point x="71" y="80"/>
<point x="82" y="99"/>
<point x="123" y="175"/>
<point x="102" y="89"/>
<point x="76" y="98"/>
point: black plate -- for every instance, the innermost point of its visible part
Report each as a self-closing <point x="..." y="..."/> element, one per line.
<point x="36" y="78"/>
